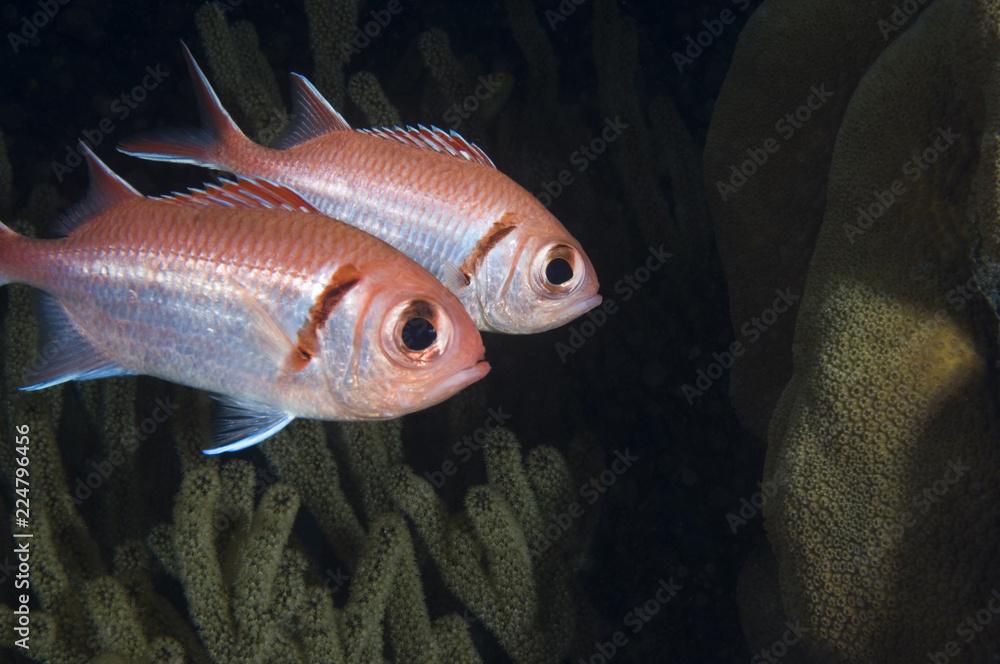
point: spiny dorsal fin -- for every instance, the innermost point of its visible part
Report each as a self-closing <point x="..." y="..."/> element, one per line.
<point x="436" y="139"/>
<point x="243" y="192"/>
<point x="107" y="189"/>
<point x="312" y="115"/>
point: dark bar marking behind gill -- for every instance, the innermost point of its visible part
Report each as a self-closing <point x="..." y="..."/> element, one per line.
<point x="307" y="343"/>
<point x="498" y="231"/>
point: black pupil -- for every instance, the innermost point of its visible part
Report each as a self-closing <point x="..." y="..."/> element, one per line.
<point x="418" y="334"/>
<point x="558" y="271"/>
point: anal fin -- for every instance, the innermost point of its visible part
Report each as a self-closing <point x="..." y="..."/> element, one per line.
<point x="66" y="354"/>
<point x="239" y="424"/>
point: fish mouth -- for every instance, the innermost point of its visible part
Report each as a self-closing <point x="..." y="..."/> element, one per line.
<point x="583" y="306"/>
<point x="571" y="313"/>
<point x="465" y="377"/>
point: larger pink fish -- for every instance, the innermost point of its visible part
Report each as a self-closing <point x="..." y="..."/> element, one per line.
<point x="284" y="314"/>
<point x="431" y="194"/>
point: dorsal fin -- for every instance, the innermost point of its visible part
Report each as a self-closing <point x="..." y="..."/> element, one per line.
<point x="107" y="189"/>
<point x="243" y="192"/>
<point x="312" y="115"/>
<point x="436" y="139"/>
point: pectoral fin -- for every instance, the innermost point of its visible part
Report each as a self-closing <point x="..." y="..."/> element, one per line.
<point x="269" y="332"/>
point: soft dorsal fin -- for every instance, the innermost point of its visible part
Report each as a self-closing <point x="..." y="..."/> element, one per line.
<point x="436" y="139"/>
<point x="239" y="424"/>
<point x="107" y="189"/>
<point x="312" y="115"/>
<point x="243" y="192"/>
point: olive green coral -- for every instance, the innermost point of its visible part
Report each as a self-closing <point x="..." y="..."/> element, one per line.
<point x="447" y="72"/>
<point x="229" y="595"/>
<point x="462" y="96"/>
<point x="884" y="437"/>
<point x="616" y="50"/>
<point x="332" y="27"/>
<point x="368" y="95"/>
<point x="495" y="555"/>
<point x="241" y="72"/>
<point x="766" y="228"/>
<point x="534" y="622"/>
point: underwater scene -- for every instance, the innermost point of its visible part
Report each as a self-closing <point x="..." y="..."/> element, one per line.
<point x="527" y="331"/>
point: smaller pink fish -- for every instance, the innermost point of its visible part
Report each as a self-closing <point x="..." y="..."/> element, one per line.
<point x="281" y="313"/>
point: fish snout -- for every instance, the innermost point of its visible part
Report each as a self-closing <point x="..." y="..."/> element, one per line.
<point x="464" y="378"/>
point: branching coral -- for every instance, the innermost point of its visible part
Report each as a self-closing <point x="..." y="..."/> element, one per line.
<point x="460" y="94"/>
<point x="448" y="74"/>
<point x="543" y="80"/>
<point x="249" y="591"/>
<point x="496" y="556"/>
<point x="368" y="95"/>
<point x="616" y="52"/>
<point x="499" y="522"/>
<point x="332" y="27"/>
<point x="241" y="71"/>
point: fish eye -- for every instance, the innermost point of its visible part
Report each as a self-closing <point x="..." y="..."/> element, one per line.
<point x="558" y="271"/>
<point x="418" y="334"/>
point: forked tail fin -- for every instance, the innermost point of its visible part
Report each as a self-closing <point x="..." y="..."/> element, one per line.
<point x="213" y="145"/>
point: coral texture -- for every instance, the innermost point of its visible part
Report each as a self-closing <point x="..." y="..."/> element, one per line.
<point x="765" y="228"/>
<point x="883" y="443"/>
